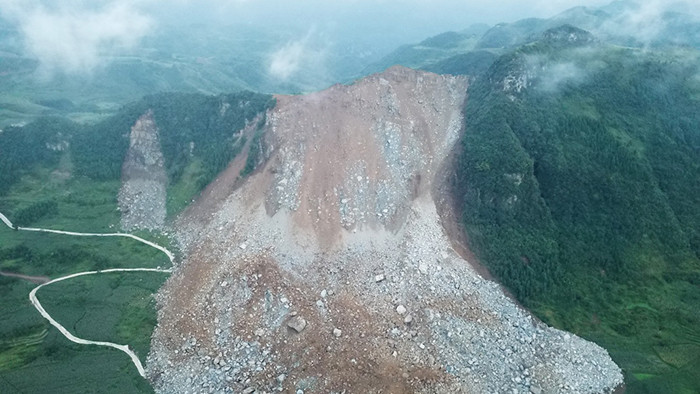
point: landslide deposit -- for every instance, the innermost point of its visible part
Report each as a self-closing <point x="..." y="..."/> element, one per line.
<point x="143" y="191"/>
<point x="328" y="270"/>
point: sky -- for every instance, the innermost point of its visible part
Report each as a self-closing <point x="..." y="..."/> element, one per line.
<point x="75" y="36"/>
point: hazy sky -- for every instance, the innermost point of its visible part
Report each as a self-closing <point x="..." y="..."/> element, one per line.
<point x="74" y="35"/>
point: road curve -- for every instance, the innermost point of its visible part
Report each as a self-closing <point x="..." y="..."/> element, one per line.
<point x="63" y="330"/>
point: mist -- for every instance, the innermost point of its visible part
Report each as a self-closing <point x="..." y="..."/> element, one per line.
<point x="648" y="21"/>
<point x="72" y="37"/>
<point x="78" y="36"/>
<point x="119" y="51"/>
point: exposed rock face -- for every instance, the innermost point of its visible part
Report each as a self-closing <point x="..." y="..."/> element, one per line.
<point x="143" y="191"/>
<point x="341" y="228"/>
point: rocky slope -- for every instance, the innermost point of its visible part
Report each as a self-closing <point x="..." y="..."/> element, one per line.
<point x="328" y="270"/>
<point x="143" y="191"/>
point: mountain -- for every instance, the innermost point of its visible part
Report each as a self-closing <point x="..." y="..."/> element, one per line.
<point x="191" y="136"/>
<point x="430" y="50"/>
<point x="578" y="178"/>
<point x="625" y="23"/>
<point x="136" y="171"/>
<point x="328" y="270"/>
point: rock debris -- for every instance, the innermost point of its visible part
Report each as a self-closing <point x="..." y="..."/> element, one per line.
<point x="345" y="208"/>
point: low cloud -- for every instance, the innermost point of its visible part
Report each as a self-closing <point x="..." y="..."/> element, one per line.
<point x="287" y="61"/>
<point x="303" y="59"/>
<point x="559" y="74"/>
<point x="646" y="20"/>
<point x="77" y="37"/>
<point x="552" y="75"/>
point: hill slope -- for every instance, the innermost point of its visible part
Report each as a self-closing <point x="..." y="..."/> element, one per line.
<point x="579" y="175"/>
<point x="328" y="269"/>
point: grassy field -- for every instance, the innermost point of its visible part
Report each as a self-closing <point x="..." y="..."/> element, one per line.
<point x="35" y="357"/>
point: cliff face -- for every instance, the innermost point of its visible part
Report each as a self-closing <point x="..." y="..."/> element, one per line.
<point x="143" y="191"/>
<point x="329" y="269"/>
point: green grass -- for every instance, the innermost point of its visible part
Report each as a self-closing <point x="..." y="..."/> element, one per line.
<point x="83" y="204"/>
<point x="114" y="307"/>
<point x="34" y="356"/>
<point x="180" y="194"/>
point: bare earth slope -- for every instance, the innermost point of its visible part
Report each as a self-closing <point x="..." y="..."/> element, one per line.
<point x="328" y="269"/>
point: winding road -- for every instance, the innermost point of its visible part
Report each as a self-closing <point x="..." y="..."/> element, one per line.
<point x="63" y="330"/>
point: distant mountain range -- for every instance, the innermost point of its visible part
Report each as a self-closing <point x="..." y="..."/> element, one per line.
<point x="624" y="23"/>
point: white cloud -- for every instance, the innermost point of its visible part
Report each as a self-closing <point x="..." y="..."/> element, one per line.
<point x="304" y="58"/>
<point x="644" y="20"/>
<point x="287" y="60"/>
<point x="75" y="37"/>
<point x="559" y="74"/>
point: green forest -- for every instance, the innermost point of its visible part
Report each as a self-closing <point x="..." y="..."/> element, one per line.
<point x="199" y="136"/>
<point x="581" y="194"/>
<point x="59" y="174"/>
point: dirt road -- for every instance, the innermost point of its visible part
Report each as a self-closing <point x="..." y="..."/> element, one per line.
<point x="35" y="301"/>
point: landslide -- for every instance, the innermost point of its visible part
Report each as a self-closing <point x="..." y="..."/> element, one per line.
<point x="327" y="270"/>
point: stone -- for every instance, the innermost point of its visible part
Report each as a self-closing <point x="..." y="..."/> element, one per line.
<point x="379" y="278"/>
<point x="408" y="319"/>
<point x="400" y="309"/>
<point x="297" y="323"/>
<point x="248" y="390"/>
<point x="423" y="268"/>
<point x="337" y="332"/>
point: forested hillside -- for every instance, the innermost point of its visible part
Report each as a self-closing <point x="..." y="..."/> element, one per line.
<point x="579" y="177"/>
<point x="55" y="173"/>
<point x="199" y="136"/>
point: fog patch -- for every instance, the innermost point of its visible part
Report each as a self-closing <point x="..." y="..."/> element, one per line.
<point x="550" y="75"/>
<point x="558" y="74"/>
<point x="76" y="37"/>
<point x="648" y="21"/>
<point x="286" y="61"/>
<point x="305" y="58"/>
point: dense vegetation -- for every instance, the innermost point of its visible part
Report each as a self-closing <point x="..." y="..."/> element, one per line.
<point x="35" y="357"/>
<point x="23" y="147"/>
<point x="199" y="136"/>
<point x="59" y="174"/>
<point x="581" y="195"/>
